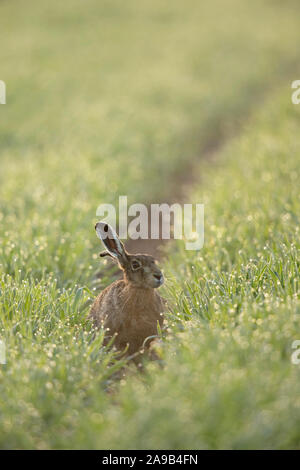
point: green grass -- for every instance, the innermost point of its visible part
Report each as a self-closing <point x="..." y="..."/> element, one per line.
<point x="108" y="99"/>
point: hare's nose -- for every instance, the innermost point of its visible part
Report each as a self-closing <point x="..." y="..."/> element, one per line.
<point x="158" y="276"/>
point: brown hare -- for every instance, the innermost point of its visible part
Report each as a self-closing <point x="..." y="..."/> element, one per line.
<point x="129" y="309"/>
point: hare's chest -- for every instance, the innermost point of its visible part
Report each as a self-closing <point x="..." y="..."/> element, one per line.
<point x="139" y="319"/>
<point x="134" y="330"/>
<point x="134" y="318"/>
<point x="140" y="316"/>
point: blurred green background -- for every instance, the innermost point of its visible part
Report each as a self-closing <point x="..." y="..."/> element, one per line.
<point x="109" y="98"/>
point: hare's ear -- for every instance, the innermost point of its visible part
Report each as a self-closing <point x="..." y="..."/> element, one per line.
<point x="111" y="242"/>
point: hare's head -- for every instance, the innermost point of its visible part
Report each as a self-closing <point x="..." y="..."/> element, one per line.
<point x="140" y="270"/>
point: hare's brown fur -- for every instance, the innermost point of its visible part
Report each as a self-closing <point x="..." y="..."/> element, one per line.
<point x="128" y="312"/>
<point x="130" y="309"/>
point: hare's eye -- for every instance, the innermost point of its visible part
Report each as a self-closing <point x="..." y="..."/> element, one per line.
<point x="135" y="265"/>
